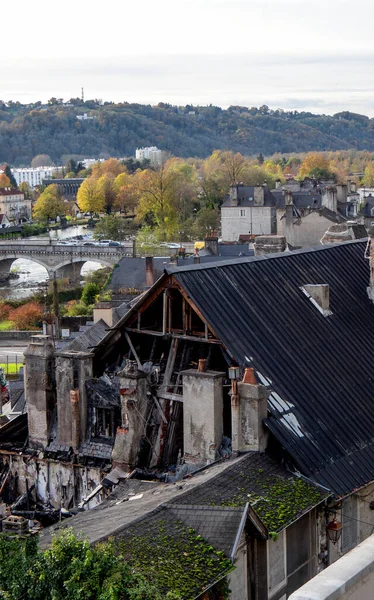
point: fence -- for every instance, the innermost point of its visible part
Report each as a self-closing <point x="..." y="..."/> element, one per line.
<point x="11" y="363"/>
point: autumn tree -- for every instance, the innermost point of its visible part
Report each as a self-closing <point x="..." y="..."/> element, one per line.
<point x="368" y="178"/>
<point x="26" y="316"/>
<point x="90" y="197"/>
<point x="315" y="165"/>
<point x="127" y="193"/>
<point x="49" y="205"/>
<point x="4" y="181"/>
<point x="26" y="189"/>
<point x="166" y="196"/>
<point x="112" y="166"/>
<point x="106" y="189"/>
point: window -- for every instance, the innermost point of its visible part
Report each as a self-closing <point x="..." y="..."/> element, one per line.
<point x="102" y="423"/>
<point x="242" y="212"/>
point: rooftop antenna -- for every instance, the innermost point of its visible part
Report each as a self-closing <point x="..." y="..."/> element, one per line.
<point x="82" y="95"/>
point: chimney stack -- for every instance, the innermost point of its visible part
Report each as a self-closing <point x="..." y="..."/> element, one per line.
<point x="268" y="244"/>
<point x="149" y="271"/>
<point x="248" y="410"/>
<point x="258" y="195"/>
<point x="233" y="195"/>
<point x="211" y="242"/>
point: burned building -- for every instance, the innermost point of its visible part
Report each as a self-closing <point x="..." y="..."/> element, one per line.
<point x="250" y="355"/>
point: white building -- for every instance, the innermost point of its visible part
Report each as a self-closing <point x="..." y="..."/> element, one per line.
<point x="249" y="210"/>
<point x="84" y="117"/>
<point x="14" y="205"/>
<point x="33" y="176"/>
<point x="151" y="153"/>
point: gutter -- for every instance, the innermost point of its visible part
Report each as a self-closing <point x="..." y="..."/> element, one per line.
<point x="239" y="532"/>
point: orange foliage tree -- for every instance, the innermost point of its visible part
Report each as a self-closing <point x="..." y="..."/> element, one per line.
<point x="27" y="316"/>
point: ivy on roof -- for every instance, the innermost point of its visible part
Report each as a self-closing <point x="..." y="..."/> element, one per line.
<point x="174" y="557"/>
<point x="277" y="501"/>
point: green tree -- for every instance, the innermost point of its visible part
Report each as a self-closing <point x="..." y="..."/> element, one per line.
<point x="113" y="227"/>
<point x="207" y="220"/>
<point x="9" y="174"/>
<point x="90" y="197"/>
<point x="90" y="291"/>
<point x="49" y="205"/>
<point x="166" y="196"/>
<point x="26" y="189"/>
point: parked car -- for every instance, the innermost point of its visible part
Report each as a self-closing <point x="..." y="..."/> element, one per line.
<point x="89" y="244"/>
<point x="104" y="242"/>
<point x="114" y="243"/>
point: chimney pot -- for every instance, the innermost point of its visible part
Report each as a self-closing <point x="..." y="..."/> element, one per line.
<point x="202" y="365"/>
<point x="249" y="376"/>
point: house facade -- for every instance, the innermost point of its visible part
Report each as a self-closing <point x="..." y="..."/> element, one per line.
<point x="14" y="205"/>
<point x="249" y="210"/>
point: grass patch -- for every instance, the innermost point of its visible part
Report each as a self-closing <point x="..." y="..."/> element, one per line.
<point x="11" y="368"/>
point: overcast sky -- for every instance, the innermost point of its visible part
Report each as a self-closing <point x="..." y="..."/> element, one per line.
<point x="313" y="55"/>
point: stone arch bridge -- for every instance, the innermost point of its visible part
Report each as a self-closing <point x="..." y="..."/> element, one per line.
<point x="63" y="262"/>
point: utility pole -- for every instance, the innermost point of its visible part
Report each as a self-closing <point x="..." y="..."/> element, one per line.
<point x="82" y="95"/>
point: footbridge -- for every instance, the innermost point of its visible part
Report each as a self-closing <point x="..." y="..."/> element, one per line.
<point x="62" y="262"/>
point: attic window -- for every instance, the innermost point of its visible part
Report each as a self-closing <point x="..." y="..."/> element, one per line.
<point x="319" y="295"/>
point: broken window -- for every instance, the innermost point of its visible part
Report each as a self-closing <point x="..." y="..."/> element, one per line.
<point x="102" y="423"/>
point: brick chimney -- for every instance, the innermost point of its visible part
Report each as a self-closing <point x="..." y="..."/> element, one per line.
<point x="248" y="410"/>
<point x="211" y="242"/>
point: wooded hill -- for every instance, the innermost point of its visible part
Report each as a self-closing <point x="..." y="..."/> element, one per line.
<point x="118" y="129"/>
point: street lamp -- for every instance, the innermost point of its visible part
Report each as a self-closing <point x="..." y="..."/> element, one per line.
<point x="334" y="531"/>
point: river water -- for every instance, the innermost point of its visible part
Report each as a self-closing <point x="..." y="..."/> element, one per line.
<point x="31" y="276"/>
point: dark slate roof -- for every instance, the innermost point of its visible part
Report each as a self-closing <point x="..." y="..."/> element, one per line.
<point x="312" y="199"/>
<point x="318" y="368"/>
<point x="277" y="497"/>
<point x="219" y="525"/>
<point x="246" y="194"/>
<point x="88" y="339"/>
<point x="174" y="555"/>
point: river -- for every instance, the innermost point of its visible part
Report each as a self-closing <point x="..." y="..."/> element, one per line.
<point x="31" y="276"/>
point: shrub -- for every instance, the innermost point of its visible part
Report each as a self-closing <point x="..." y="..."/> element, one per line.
<point x="90" y="291"/>
<point x="4" y="311"/>
<point x="77" y="309"/>
<point x="27" y="316"/>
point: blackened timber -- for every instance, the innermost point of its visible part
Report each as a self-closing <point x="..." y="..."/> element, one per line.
<point x="133" y="349"/>
<point x="170" y="363"/>
<point x="191" y="338"/>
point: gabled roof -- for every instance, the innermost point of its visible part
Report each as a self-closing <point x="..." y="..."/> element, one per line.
<point x="318" y="368"/>
<point x="246" y="195"/>
<point x="277" y="497"/>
